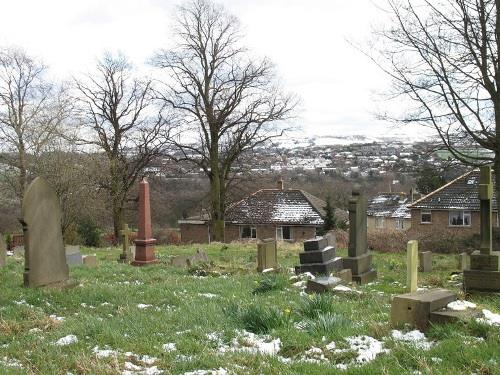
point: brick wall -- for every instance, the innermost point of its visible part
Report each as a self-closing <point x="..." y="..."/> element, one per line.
<point x="299" y="233"/>
<point x="440" y="221"/>
<point x="389" y="225"/>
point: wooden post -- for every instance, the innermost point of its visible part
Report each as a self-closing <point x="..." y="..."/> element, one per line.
<point x="411" y="266"/>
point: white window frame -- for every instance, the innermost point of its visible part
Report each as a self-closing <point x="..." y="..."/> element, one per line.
<point x="425" y="212"/>
<point x="399" y="224"/>
<point x="463" y="214"/>
<point x="253" y="232"/>
<point x="379" y="222"/>
<point x="279" y="233"/>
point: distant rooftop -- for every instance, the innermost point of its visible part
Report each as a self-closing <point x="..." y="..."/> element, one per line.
<point x="389" y="205"/>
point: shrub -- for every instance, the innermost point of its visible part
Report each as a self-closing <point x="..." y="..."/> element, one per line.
<point x="89" y="233"/>
<point x="168" y="236"/>
<point x="388" y="241"/>
<point x="271" y="282"/>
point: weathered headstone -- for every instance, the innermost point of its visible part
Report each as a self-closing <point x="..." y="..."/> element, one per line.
<point x="484" y="272"/>
<point x="463" y="261"/>
<point x="189" y="261"/>
<point x="126" y="255"/>
<point x="267" y="255"/>
<point x="322" y="284"/>
<point x="73" y="255"/>
<point x="3" y="251"/>
<point x="179" y="261"/>
<point x="411" y="266"/>
<point x="359" y="260"/>
<point x="145" y="243"/>
<point x="45" y="259"/>
<point x="319" y="257"/>
<point x="425" y="261"/>
<point x="90" y="260"/>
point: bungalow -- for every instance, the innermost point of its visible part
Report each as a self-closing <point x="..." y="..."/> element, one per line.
<point x="454" y="207"/>
<point x="388" y="211"/>
<point x="285" y="214"/>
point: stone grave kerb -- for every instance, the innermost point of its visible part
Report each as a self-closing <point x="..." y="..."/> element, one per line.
<point x="358" y="223"/>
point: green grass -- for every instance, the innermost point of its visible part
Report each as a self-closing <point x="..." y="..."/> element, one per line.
<point x="220" y="300"/>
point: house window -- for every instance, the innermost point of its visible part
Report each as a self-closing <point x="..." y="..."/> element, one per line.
<point x="459" y="218"/>
<point x="248" y="232"/>
<point x="399" y="223"/>
<point x="379" y="222"/>
<point x="426" y="217"/>
<point x="283" y="233"/>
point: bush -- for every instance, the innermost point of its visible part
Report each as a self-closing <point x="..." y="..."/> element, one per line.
<point x="168" y="236"/>
<point x="388" y="241"/>
<point x="89" y="233"/>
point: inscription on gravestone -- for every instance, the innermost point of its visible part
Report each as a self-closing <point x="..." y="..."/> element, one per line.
<point x="45" y="258"/>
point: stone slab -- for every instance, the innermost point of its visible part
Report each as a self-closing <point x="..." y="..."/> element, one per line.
<point x="359" y="264"/>
<point x="319" y="256"/>
<point x="331" y="239"/>
<point x="90" y="260"/>
<point x="73" y="255"/>
<point x="267" y="255"/>
<point x="365" y="277"/>
<point x="320" y="268"/>
<point x="315" y="244"/>
<point x="425" y="261"/>
<point x="484" y="262"/>
<point x="480" y="280"/>
<point x="450" y="316"/>
<point x="322" y="284"/>
<point x="415" y="308"/>
<point x="345" y="275"/>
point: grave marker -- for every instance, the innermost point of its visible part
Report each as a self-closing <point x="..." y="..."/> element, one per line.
<point x="73" y="255"/>
<point x="144" y="244"/>
<point x="319" y="257"/>
<point x="484" y="272"/>
<point x="126" y="254"/>
<point x="45" y="259"/>
<point x="267" y="255"/>
<point x="411" y="266"/>
<point x="358" y="259"/>
<point x="90" y="260"/>
<point x="425" y="261"/>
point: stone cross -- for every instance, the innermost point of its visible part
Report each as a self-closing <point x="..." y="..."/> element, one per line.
<point x="357" y="223"/>
<point x="144" y="244"/>
<point x="485" y="196"/>
<point x="45" y="257"/>
<point x="126" y="254"/>
<point x="411" y="266"/>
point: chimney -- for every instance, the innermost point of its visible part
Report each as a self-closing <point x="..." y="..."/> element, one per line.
<point x="280" y="184"/>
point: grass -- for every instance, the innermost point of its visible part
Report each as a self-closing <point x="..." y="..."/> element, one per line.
<point x="221" y="299"/>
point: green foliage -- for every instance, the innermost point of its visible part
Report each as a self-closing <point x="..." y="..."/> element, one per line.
<point x="330" y="219"/>
<point x="89" y="233"/>
<point x="271" y="282"/>
<point x="317" y="304"/>
<point x="257" y="318"/>
<point x="429" y="179"/>
<point x="327" y="323"/>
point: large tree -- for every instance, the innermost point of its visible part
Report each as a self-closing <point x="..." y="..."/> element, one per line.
<point x="121" y="122"/>
<point x="227" y="102"/>
<point x="32" y="113"/>
<point x="444" y="57"/>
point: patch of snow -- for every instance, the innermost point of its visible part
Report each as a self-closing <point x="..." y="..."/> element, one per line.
<point x="306" y="276"/>
<point x="300" y="284"/>
<point x="35" y="330"/>
<point x="56" y="318"/>
<point x="169" y="347"/>
<point x="143" y="306"/>
<point x="490" y="318"/>
<point x="10" y="362"/>
<point x="251" y="343"/>
<point x="331" y="346"/>
<point x="366" y="347"/>
<point x="219" y="371"/>
<point x="267" y="270"/>
<point x="132" y="369"/>
<point x="460" y="305"/>
<point x="67" y="340"/>
<point x="208" y="295"/>
<point x="148" y="360"/>
<point x="104" y="353"/>
<point x="313" y="355"/>
<point x="415" y="338"/>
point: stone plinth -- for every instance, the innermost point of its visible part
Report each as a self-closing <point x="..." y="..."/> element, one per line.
<point x="144" y="244"/>
<point x="463" y="261"/>
<point x="267" y="255"/>
<point x="425" y="261"/>
<point x="450" y="316"/>
<point x="319" y="256"/>
<point x="415" y="308"/>
<point x="333" y="265"/>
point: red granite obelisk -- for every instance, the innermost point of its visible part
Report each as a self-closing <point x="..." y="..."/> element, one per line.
<point x="144" y="244"/>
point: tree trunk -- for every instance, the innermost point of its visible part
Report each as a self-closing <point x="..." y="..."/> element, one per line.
<point x="23" y="178"/>
<point x="496" y="169"/>
<point x="217" y="214"/>
<point x="116" y="199"/>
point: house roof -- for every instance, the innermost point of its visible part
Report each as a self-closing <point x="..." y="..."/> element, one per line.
<point x="389" y="205"/>
<point x="276" y="206"/>
<point x="460" y="194"/>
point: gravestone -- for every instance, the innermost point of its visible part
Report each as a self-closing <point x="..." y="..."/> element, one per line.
<point x="411" y="266"/>
<point x="3" y="251"/>
<point x="463" y="261"/>
<point x="425" y="261"/>
<point x="144" y="243"/>
<point x="484" y="272"/>
<point x="90" y="260"/>
<point x="267" y="255"/>
<point x="45" y="259"/>
<point x="190" y="261"/>
<point x="322" y="284"/>
<point x="319" y="257"/>
<point x="358" y="260"/>
<point x="73" y="255"/>
<point x="126" y="255"/>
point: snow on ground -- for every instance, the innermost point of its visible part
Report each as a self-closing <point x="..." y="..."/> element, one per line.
<point x="132" y="369"/>
<point x="460" y="305"/>
<point x="415" y="338"/>
<point x="10" y="362"/>
<point x="104" y="353"/>
<point x="208" y="295"/>
<point x="143" y="306"/>
<point x="219" y="371"/>
<point x="67" y="340"/>
<point x="248" y="342"/>
<point x="56" y="318"/>
<point x="490" y="318"/>
<point x="169" y="347"/>
<point x="366" y="347"/>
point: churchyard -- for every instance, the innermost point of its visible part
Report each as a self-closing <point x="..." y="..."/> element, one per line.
<point x="119" y="318"/>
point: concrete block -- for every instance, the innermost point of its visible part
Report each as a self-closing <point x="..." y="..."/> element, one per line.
<point x="484" y="262"/>
<point x="322" y="284"/>
<point x="321" y="268"/>
<point x="319" y="256"/>
<point x="315" y="244"/>
<point x="365" y="277"/>
<point x="359" y="264"/>
<point x="480" y="280"/>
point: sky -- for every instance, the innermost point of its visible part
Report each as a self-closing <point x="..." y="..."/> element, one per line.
<point x="310" y="42"/>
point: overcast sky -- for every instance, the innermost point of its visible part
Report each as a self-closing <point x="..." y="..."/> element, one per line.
<point x="306" y="39"/>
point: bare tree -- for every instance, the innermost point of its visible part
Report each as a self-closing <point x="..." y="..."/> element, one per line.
<point x="444" y="57"/>
<point x="226" y="103"/>
<point x="32" y="112"/>
<point x="119" y="119"/>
